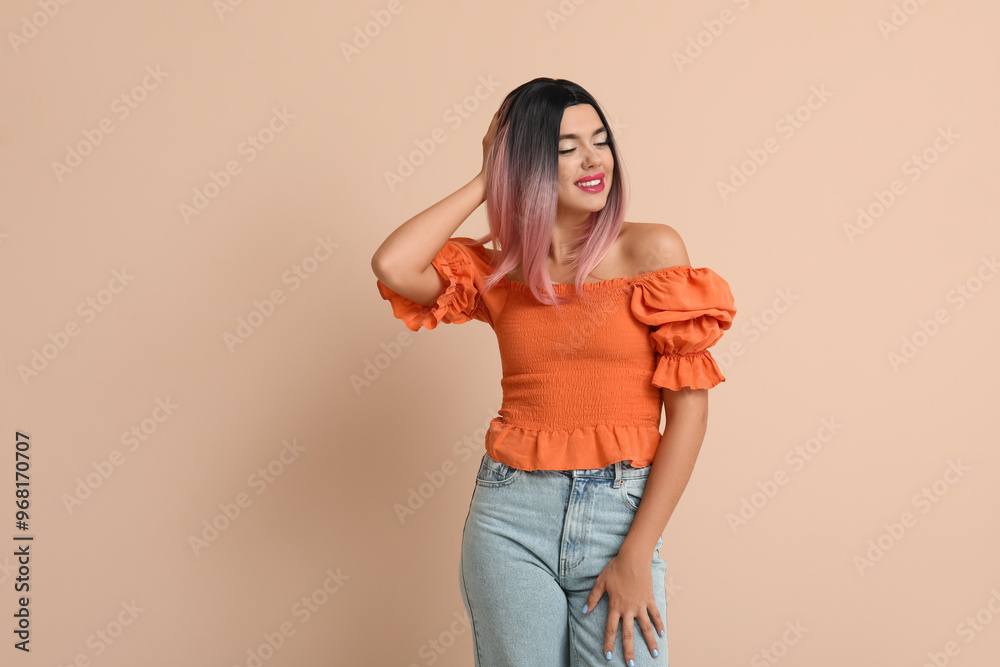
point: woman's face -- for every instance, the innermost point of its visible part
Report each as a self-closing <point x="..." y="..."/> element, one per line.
<point x="584" y="159"/>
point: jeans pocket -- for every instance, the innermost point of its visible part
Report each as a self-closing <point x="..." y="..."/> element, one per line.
<point x="494" y="473"/>
<point x="632" y="489"/>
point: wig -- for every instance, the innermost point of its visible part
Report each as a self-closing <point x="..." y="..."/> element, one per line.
<point x="522" y="169"/>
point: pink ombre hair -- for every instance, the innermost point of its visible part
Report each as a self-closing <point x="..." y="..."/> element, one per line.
<point x="522" y="169"/>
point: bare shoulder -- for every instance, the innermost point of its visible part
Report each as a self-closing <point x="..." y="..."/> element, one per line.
<point x="654" y="245"/>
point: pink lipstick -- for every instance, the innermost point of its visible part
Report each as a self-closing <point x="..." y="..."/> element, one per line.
<point x="593" y="183"/>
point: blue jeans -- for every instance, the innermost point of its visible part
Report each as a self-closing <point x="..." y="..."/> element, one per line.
<point x="533" y="545"/>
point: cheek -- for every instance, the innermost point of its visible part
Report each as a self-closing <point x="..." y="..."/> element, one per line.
<point x="565" y="177"/>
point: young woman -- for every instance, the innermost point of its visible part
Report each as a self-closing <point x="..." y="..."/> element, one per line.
<point x="601" y="324"/>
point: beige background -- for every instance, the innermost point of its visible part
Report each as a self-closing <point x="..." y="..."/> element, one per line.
<point x="363" y="447"/>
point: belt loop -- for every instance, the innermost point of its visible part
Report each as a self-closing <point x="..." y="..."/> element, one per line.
<point x="618" y="474"/>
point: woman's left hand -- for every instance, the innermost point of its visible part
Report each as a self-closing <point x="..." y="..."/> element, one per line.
<point x="628" y="581"/>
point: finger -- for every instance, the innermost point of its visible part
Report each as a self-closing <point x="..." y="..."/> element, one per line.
<point x="649" y="632"/>
<point x="595" y="595"/>
<point x="628" y="639"/>
<point x="610" y="632"/>
<point x="654" y="613"/>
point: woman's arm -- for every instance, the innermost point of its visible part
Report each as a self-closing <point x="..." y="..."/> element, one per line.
<point x="627" y="578"/>
<point x="403" y="261"/>
<point x="687" y="422"/>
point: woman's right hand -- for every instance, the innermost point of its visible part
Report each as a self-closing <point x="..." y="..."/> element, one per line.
<point x="491" y="134"/>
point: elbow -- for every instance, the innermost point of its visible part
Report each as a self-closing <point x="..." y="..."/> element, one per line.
<point x="388" y="273"/>
<point x="394" y="272"/>
<point x="377" y="266"/>
<point x="380" y="266"/>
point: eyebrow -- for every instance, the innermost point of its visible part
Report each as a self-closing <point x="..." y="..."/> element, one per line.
<point x="573" y="136"/>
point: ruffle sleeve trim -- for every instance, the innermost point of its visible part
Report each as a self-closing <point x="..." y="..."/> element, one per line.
<point x="697" y="371"/>
<point x="688" y="309"/>
<point x="565" y="449"/>
<point x="456" y="304"/>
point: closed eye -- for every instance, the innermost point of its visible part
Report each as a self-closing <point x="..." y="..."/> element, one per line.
<point x="570" y="150"/>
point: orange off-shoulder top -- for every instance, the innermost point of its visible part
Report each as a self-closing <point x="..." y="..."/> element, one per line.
<point x="581" y="384"/>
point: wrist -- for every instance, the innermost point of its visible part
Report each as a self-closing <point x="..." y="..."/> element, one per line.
<point x="633" y="549"/>
<point x="480" y="181"/>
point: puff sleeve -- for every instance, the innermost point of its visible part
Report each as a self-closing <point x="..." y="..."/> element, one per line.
<point x="690" y="309"/>
<point x="463" y="267"/>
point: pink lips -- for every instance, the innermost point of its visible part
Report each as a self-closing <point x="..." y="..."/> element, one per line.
<point x="596" y="188"/>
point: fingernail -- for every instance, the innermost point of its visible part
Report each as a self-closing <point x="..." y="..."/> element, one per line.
<point x="608" y="655"/>
<point x="655" y="653"/>
<point x="662" y="632"/>
<point x="631" y="663"/>
<point x="584" y="609"/>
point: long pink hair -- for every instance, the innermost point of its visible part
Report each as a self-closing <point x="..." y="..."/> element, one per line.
<point x="522" y="168"/>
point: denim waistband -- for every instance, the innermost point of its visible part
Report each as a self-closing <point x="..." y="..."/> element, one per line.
<point x="617" y="471"/>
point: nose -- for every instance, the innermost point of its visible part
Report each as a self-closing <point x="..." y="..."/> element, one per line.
<point x="591" y="156"/>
